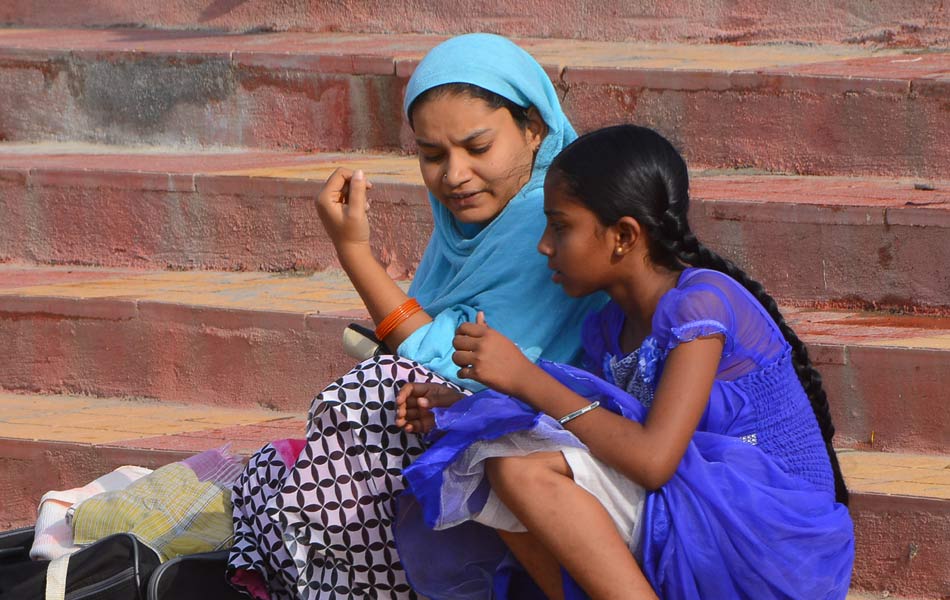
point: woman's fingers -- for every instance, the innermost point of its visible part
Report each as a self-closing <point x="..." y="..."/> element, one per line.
<point x="342" y="206"/>
<point x="345" y="187"/>
<point x="356" y="199"/>
<point x="334" y="190"/>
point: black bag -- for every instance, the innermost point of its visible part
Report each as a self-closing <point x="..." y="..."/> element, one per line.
<point x="194" y="577"/>
<point x="15" y="563"/>
<point x="117" y="567"/>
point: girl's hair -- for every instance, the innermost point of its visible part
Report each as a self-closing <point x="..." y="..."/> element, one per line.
<point x="633" y="171"/>
<point x="494" y="101"/>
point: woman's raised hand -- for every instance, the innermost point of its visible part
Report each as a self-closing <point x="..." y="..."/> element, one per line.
<point x="415" y="402"/>
<point x="342" y="208"/>
<point x="489" y="357"/>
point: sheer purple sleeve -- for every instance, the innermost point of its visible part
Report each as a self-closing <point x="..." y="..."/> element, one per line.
<point x="698" y="309"/>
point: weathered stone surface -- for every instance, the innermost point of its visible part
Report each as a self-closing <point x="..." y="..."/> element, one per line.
<point x="858" y="242"/>
<point x="810" y="110"/>
<point x="891" y="22"/>
<point x="194" y="337"/>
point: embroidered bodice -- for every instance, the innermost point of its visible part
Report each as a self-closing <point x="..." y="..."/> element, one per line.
<point x="627" y="374"/>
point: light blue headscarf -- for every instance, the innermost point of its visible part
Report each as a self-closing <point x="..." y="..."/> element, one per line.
<point x="498" y="270"/>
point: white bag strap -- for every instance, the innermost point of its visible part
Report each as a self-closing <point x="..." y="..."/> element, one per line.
<point x="56" y="578"/>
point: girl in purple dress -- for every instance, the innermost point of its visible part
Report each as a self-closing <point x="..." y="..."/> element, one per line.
<point x="692" y="459"/>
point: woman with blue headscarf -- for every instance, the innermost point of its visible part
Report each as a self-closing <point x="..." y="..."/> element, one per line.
<point x="313" y="518"/>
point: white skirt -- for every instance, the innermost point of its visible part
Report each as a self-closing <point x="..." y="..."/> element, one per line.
<point x="620" y="496"/>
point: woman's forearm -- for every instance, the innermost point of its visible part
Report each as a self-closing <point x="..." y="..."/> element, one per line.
<point x="341" y="205"/>
<point x="379" y="292"/>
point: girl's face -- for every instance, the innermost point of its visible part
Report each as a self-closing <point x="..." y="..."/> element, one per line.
<point x="579" y="248"/>
<point x="474" y="158"/>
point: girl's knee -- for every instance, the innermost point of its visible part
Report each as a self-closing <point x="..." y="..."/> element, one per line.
<point x="501" y="469"/>
<point x="526" y="473"/>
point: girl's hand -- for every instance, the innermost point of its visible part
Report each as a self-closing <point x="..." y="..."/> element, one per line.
<point x="488" y="357"/>
<point x="341" y="205"/>
<point x="415" y="402"/>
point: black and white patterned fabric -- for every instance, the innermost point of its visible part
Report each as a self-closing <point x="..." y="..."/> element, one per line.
<point x="321" y="529"/>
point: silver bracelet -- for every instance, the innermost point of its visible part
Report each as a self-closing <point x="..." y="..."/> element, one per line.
<point x="579" y="412"/>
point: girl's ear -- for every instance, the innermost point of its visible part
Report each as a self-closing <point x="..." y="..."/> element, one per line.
<point x="627" y="233"/>
<point x="536" y="129"/>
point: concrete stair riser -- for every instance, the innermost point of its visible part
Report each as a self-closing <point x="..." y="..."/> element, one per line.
<point x="912" y="22"/>
<point x="54" y="442"/>
<point x="181" y="354"/>
<point x="886" y="398"/>
<point x="204" y="355"/>
<point x="221" y="223"/>
<point x="855" y="242"/>
<point x="30" y="469"/>
<point x="901" y="545"/>
<point x="778" y="123"/>
<point x="197" y="101"/>
<point x="790" y="111"/>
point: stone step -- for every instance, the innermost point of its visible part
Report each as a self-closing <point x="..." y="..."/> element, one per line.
<point x="905" y="23"/>
<point x="212" y="338"/>
<point x="57" y="442"/>
<point x="829" y="109"/>
<point x="900" y="502"/>
<point x="273" y="341"/>
<point x="883" y="595"/>
<point x="857" y="241"/>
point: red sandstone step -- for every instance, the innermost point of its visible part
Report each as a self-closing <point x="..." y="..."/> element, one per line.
<point x="811" y="110"/>
<point x="900" y="505"/>
<point x="900" y="502"/>
<point x="61" y="442"/>
<point x="910" y="22"/>
<point x="264" y="340"/>
<point x="866" y="242"/>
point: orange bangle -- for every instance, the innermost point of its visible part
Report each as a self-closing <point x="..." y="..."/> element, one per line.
<point x="396" y="318"/>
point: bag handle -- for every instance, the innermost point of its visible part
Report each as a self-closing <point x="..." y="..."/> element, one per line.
<point x="56" y="578"/>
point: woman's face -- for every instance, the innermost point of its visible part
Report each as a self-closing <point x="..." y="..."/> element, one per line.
<point x="474" y="158"/>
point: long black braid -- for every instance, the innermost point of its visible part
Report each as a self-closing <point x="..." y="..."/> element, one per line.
<point x="633" y="171"/>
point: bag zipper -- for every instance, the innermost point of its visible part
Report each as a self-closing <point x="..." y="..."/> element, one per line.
<point x="133" y="573"/>
<point x="105" y="584"/>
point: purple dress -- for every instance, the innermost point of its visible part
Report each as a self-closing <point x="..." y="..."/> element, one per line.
<point x="750" y="511"/>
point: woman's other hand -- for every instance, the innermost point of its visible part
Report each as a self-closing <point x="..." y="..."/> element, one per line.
<point x="342" y="208"/>
<point x="415" y="402"/>
<point x="489" y="357"/>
